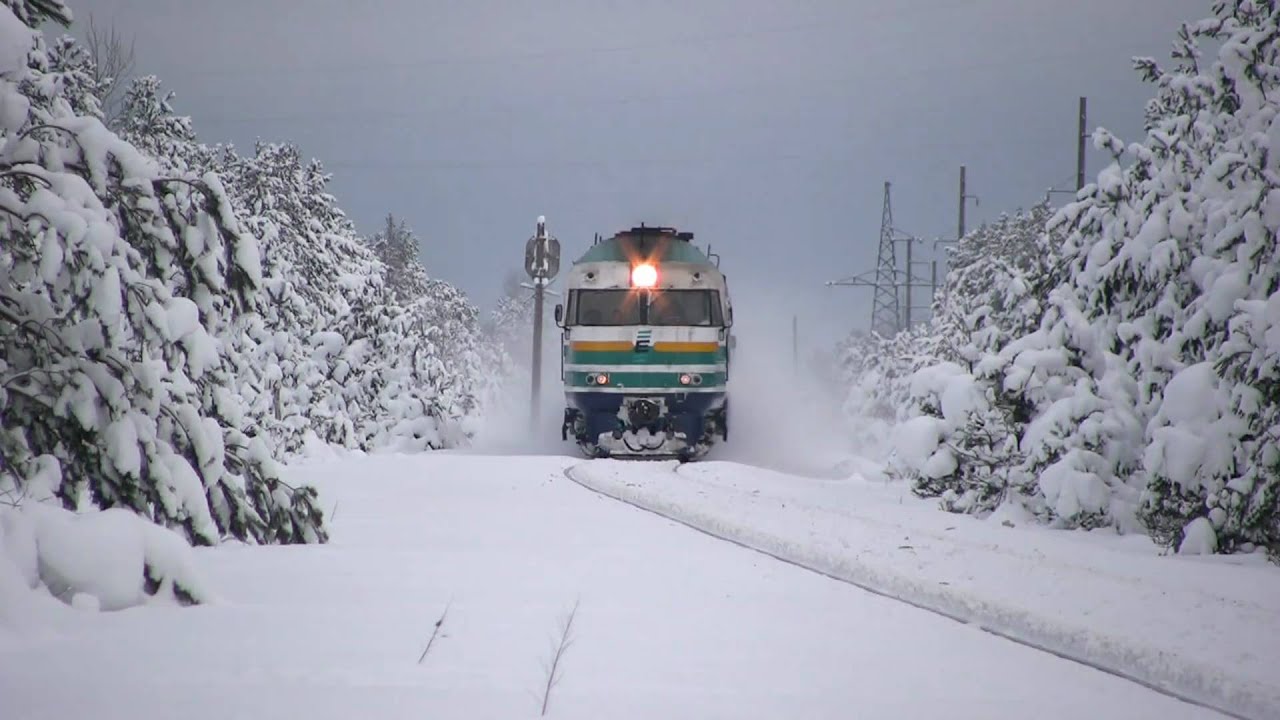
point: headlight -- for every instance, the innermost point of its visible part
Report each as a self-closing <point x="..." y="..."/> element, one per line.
<point x="644" y="276"/>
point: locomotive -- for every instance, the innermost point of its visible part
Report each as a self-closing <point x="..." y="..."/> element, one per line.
<point x="646" y="347"/>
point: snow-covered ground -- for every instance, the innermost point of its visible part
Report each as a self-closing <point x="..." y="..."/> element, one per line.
<point x="671" y="622"/>
<point x="1201" y="627"/>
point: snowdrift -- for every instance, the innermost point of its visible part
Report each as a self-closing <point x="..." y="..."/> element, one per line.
<point x="107" y="560"/>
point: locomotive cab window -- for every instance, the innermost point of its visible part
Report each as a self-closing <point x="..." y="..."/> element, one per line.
<point x="684" y="307"/>
<point x="604" y="307"/>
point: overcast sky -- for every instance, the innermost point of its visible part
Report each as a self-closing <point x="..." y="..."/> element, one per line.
<point x="767" y="128"/>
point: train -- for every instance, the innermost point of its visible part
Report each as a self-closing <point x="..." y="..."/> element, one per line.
<point x="646" y="347"/>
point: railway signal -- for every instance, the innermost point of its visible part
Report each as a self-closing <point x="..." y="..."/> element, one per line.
<point x="541" y="262"/>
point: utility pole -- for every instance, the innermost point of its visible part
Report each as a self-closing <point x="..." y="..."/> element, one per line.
<point x="907" y="280"/>
<point x="541" y="262"/>
<point x="535" y="393"/>
<point x="912" y="281"/>
<point x="795" y="345"/>
<point x="964" y="198"/>
<point x="1081" y="136"/>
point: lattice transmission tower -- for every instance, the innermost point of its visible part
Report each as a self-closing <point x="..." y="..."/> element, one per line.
<point x="886" y="279"/>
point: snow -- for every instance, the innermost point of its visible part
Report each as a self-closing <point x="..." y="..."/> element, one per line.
<point x="183" y="318"/>
<point x="15" y="42"/>
<point x="960" y="397"/>
<point x="122" y="446"/>
<point x="1199" y="538"/>
<point x="51" y="258"/>
<point x="1204" y="630"/>
<point x="916" y="440"/>
<point x="940" y="464"/>
<point x="1191" y="394"/>
<point x="109" y="555"/>
<point x="1070" y="488"/>
<point x="671" y="623"/>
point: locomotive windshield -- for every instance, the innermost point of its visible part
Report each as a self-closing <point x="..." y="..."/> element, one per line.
<point x="628" y="307"/>
<point x="605" y="307"/>
<point x="684" y="307"/>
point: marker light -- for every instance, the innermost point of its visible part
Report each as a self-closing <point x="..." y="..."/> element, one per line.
<point x="644" y="276"/>
<point x="601" y="379"/>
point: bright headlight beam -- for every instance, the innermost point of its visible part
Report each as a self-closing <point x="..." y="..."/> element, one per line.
<point x="644" y="276"/>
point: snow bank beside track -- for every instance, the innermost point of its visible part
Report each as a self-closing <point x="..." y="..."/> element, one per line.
<point x="1201" y="629"/>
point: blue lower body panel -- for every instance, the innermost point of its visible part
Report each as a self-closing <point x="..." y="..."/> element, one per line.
<point x="688" y="418"/>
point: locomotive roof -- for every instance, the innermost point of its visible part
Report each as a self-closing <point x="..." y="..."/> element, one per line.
<point x="652" y="244"/>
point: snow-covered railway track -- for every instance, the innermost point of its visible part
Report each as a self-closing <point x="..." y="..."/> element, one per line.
<point x="794" y="554"/>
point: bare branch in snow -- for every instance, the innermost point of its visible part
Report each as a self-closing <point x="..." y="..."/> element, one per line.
<point x="435" y="632"/>
<point x="113" y="63"/>
<point x="553" y="670"/>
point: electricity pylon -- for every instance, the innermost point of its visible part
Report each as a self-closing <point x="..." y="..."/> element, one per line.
<point x="886" y="316"/>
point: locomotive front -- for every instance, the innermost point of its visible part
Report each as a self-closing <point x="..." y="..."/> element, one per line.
<point x="646" y="347"/>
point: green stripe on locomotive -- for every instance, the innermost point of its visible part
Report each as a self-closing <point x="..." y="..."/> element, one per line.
<point x="649" y="379"/>
<point x="653" y="357"/>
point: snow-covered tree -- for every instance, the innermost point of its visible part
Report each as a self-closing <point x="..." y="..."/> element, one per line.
<point x="34" y="13"/>
<point x="1135" y="364"/>
<point x="350" y="358"/>
<point x="116" y="281"/>
<point x="398" y="249"/>
<point x="1200" y="207"/>
<point x="324" y="288"/>
<point x="147" y="120"/>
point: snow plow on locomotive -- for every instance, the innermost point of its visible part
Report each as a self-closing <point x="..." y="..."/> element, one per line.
<point x="646" y="347"/>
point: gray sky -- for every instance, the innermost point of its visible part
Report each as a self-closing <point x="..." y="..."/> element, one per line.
<point x="767" y="128"/>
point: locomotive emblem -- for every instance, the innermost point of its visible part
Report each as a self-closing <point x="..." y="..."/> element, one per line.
<point x="644" y="340"/>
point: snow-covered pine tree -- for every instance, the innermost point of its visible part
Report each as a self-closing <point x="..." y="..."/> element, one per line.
<point x="115" y="281"/>
<point x="878" y="373"/>
<point x="398" y="249"/>
<point x="431" y="396"/>
<point x="1144" y="388"/>
<point x="998" y="275"/>
<point x="1035" y="432"/>
<point x="34" y="13"/>
<point x="1199" y="208"/>
<point x="965" y="447"/>
<point x="347" y="357"/>
<point x="148" y="121"/>
<point x="317" y="341"/>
